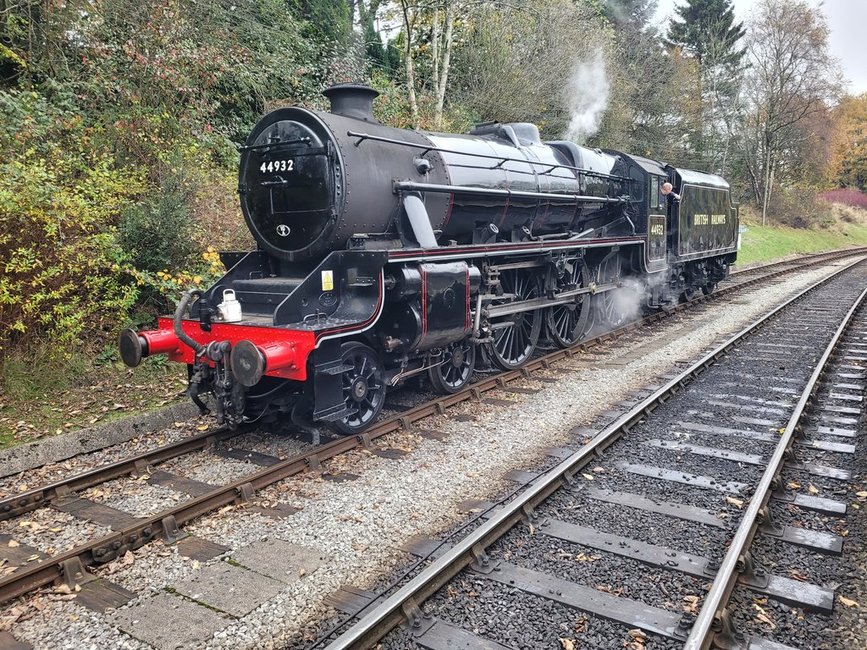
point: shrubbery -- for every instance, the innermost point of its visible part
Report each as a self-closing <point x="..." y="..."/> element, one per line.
<point x="118" y="127"/>
<point x="62" y="267"/>
<point x="799" y="207"/>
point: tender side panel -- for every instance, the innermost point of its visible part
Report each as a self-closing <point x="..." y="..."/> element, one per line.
<point x="707" y="223"/>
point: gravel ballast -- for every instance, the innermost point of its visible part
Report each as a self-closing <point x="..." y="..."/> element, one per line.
<point x="361" y="523"/>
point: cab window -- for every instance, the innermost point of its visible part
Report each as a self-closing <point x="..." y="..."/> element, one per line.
<point x="655" y="198"/>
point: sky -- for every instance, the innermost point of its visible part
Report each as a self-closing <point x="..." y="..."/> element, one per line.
<point x="846" y="18"/>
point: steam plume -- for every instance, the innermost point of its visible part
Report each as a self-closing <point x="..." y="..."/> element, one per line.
<point x="587" y="96"/>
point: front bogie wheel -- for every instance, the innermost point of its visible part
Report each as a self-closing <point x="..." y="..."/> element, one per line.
<point x="455" y="369"/>
<point x="363" y="388"/>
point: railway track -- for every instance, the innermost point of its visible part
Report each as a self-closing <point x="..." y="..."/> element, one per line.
<point x="706" y="516"/>
<point x="129" y="532"/>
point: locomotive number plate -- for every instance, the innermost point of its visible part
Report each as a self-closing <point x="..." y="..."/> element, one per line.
<point x="277" y="166"/>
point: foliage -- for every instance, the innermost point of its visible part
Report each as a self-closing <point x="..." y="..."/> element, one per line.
<point x="326" y="20"/>
<point x="508" y="48"/>
<point x="799" y="207"/>
<point x="792" y="77"/>
<point x="707" y="29"/>
<point x="849" y="167"/>
<point x="848" y="196"/>
<point x="158" y="232"/>
<point x="62" y="271"/>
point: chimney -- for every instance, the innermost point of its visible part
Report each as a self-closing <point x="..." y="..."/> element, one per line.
<point x="352" y="100"/>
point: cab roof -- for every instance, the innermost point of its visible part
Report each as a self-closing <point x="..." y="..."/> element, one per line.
<point x="701" y="178"/>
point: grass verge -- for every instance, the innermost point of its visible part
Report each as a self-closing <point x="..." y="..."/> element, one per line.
<point x="41" y="396"/>
<point x="772" y="242"/>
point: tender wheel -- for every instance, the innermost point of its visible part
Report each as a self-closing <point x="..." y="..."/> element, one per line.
<point x="708" y="288"/>
<point x="363" y="388"/>
<point x="569" y="323"/>
<point x="457" y="368"/>
<point x="516" y="335"/>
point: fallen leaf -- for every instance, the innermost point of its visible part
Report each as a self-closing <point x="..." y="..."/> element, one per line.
<point x="196" y="564"/>
<point x="13" y="544"/>
<point x="848" y="602"/>
<point x="794" y="486"/>
<point x="691" y="606"/>
<point x="812" y="489"/>
<point x="862" y="494"/>
<point x="767" y="621"/>
<point x="567" y="644"/>
<point x="797" y="575"/>
<point x="128" y="558"/>
<point x="735" y="502"/>
<point x="202" y="427"/>
<point x="589" y="477"/>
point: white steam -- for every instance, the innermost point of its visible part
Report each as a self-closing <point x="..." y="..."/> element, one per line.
<point x="587" y="96"/>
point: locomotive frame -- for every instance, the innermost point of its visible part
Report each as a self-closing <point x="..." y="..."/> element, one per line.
<point x="387" y="254"/>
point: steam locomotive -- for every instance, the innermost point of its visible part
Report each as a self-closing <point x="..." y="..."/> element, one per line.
<point x="385" y="253"/>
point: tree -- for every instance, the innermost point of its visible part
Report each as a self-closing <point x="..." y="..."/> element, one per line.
<point x="707" y="31"/>
<point x="327" y="20"/>
<point x="707" y="28"/>
<point x="634" y="15"/>
<point x="849" y="168"/>
<point x="793" y="78"/>
<point x="516" y="61"/>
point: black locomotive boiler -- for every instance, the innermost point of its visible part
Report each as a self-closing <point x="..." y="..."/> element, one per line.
<point x="385" y="253"/>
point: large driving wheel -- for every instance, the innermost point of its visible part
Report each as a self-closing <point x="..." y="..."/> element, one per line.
<point x="613" y="307"/>
<point x="363" y="388"/>
<point x="516" y="335"/>
<point x="570" y="322"/>
<point x="456" y="369"/>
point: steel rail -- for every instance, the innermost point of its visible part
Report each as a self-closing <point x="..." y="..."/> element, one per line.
<point x="710" y="619"/>
<point x="18" y="504"/>
<point x="404" y="604"/>
<point x="165" y="523"/>
<point x="815" y="258"/>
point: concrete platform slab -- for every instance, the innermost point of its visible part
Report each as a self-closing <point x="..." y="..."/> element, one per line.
<point x="231" y="589"/>
<point x="280" y="560"/>
<point x="168" y="622"/>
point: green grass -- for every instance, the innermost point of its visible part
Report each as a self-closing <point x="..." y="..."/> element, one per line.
<point x="769" y="243"/>
<point x="41" y="395"/>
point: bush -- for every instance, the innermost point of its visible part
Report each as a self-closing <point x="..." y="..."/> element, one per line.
<point x="62" y="269"/>
<point x="799" y="208"/>
<point x="158" y="234"/>
<point x="847" y="196"/>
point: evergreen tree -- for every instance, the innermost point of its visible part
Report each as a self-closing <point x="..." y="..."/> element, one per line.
<point x="707" y="29"/>
<point x="634" y="14"/>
